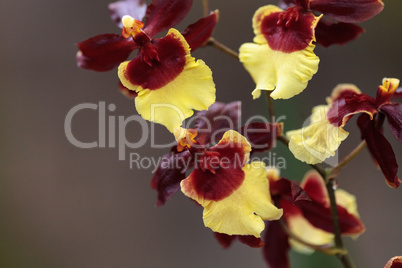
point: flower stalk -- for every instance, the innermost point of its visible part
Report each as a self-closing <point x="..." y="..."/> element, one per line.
<point x="216" y="44"/>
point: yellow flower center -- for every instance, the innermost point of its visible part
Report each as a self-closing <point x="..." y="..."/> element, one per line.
<point x="185" y="138"/>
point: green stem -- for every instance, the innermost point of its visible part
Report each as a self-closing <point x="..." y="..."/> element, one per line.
<point x="270" y="102"/>
<point x="337" y="169"/>
<point x="344" y="258"/>
<point x="216" y="44"/>
<point x="205" y="5"/>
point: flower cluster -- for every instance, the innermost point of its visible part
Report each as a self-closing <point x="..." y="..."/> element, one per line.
<point x="282" y="59"/>
<point x="211" y="164"/>
<point x="163" y="72"/>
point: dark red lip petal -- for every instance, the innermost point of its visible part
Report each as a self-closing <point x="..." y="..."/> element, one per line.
<point x="171" y="55"/>
<point x="295" y="37"/>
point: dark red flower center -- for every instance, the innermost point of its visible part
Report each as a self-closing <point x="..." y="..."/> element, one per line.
<point x="288" y="31"/>
<point x="158" y="63"/>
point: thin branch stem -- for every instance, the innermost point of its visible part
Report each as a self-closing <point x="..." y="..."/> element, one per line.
<point x="205" y="5"/>
<point x="331" y="184"/>
<point x="270" y="102"/>
<point x="344" y="258"/>
<point x="337" y="169"/>
<point x="213" y="42"/>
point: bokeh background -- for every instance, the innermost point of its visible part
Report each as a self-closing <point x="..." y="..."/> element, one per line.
<point x="62" y="206"/>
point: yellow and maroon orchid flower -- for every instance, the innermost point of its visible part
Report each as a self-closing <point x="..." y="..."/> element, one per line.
<point x="235" y="195"/>
<point x="338" y="24"/>
<point x="168" y="82"/>
<point x="348" y="101"/>
<point x="317" y="141"/>
<point x="233" y="192"/>
<point x="307" y="214"/>
<point x="209" y="128"/>
<point x="281" y="59"/>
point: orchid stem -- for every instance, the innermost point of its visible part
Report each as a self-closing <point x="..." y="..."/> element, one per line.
<point x="213" y="42"/>
<point x="337" y="169"/>
<point x="271" y="110"/>
<point x="344" y="257"/>
<point x="205" y="5"/>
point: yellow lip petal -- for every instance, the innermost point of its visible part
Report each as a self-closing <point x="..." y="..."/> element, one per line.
<point x="244" y="211"/>
<point x="286" y="74"/>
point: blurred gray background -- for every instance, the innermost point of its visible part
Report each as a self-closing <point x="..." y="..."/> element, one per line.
<point x="62" y="206"/>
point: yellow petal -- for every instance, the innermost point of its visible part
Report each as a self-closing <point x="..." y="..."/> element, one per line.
<point x="347" y="201"/>
<point x="287" y="74"/>
<point x="244" y="211"/>
<point x="319" y="140"/>
<point x="304" y="230"/>
<point x="192" y="89"/>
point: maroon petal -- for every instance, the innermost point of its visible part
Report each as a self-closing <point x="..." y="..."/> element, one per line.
<point x="218" y="171"/>
<point x="212" y="124"/>
<point x="104" y="52"/>
<point x="328" y="33"/>
<point x="170" y="172"/>
<point x="225" y="240"/>
<point x="216" y="186"/>
<point x="320" y="216"/>
<point x="393" y="112"/>
<point x="251" y="241"/>
<point x="133" y="8"/>
<point x="351" y="11"/>
<point x="198" y="33"/>
<point x="262" y="136"/>
<point x="276" y="246"/>
<point x="380" y="149"/>
<point x="164" y="14"/>
<point x="288" y="190"/>
<point x="347" y="104"/>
